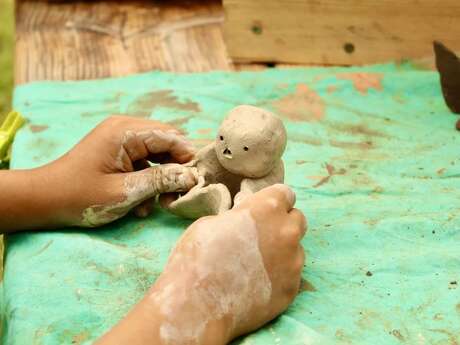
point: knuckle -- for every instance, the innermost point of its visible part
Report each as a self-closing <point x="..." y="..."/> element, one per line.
<point x="297" y="213"/>
<point x="292" y="290"/>
<point x="300" y="220"/>
<point x="291" y="235"/>
<point x="272" y="202"/>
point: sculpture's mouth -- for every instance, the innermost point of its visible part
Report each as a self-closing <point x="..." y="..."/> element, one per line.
<point x="227" y="153"/>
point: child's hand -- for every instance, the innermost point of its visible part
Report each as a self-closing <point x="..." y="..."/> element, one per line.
<point x="108" y="173"/>
<point x="241" y="268"/>
<point x="228" y="275"/>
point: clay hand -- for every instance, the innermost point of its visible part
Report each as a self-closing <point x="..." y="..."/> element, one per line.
<point x="230" y="274"/>
<point x="108" y="173"/>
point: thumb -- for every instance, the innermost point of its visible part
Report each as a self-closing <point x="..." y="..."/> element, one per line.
<point x="165" y="178"/>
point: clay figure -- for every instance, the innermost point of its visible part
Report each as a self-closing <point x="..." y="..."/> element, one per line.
<point x="244" y="158"/>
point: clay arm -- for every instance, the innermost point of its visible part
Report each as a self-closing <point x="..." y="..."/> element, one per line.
<point x="252" y="185"/>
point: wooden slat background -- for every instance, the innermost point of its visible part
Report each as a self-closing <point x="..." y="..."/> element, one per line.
<point x="95" y="39"/>
<point x="338" y="32"/>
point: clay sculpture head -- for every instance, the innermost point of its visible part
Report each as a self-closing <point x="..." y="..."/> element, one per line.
<point x="250" y="141"/>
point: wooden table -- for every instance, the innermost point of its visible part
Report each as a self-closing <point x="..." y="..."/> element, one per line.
<point x="74" y="40"/>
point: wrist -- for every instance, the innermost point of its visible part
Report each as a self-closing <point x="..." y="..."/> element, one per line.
<point x="169" y="314"/>
<point x="28" y="200"/>
<point x="184" y="315"/>
<point x="52" y="192"/>
<point x="46" y="192"/>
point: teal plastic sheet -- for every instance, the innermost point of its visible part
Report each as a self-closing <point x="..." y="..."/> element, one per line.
<point x="373" y="156"/>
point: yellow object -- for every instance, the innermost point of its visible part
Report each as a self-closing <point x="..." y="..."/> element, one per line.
<point x="10" y="126"/>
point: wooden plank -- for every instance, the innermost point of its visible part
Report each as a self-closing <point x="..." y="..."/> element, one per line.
<point x="86" y="39"/>
<point x="338" y="32"/>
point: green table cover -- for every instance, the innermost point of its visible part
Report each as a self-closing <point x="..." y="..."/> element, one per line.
<point x="372" y="155"/>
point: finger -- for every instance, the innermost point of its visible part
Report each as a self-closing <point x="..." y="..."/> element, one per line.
<point x="144" y="209"/>
<point x="160" y="179"/>
<point x="122" y="161"/>
<point x="134" y="146"/>
<point x="292" y="286"/>
<point x="288" y="195"/>
<point x="279" y="195"/>
<point x="297" y="221"/>
<point x="157" y="142"/>
<point x="157" y="145"/>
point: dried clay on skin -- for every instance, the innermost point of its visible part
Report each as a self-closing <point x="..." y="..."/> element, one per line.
<point x="139" y="186"/>
<point x="215" y="293"/>
<point x="155" y="141"/>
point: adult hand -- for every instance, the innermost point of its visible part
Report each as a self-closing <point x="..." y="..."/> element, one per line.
<point x="227" y="276"/>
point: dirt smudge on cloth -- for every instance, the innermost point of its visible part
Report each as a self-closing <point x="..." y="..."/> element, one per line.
<point x="363" y="81"/>
<point x="143" y="105"/>
<point x="357" y="129"/>
<point x="364" y="145"/>
<point x="331" y="171"/>
<point x="304" y="104"/>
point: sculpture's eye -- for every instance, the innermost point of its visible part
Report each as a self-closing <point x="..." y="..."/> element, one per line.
<point x="221" y="137"/>
<point x="246" y="148"/>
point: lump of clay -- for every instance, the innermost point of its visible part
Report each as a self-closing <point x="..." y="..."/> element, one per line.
<point x="244" y="158"/>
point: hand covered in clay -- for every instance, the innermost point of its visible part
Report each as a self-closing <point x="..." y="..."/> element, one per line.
<point x="108" y="173"/>
<point x="228" y="275"/>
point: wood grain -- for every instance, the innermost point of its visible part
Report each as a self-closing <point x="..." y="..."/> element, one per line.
<point x="338" y="32"/>
<point x="86" y="39"/>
